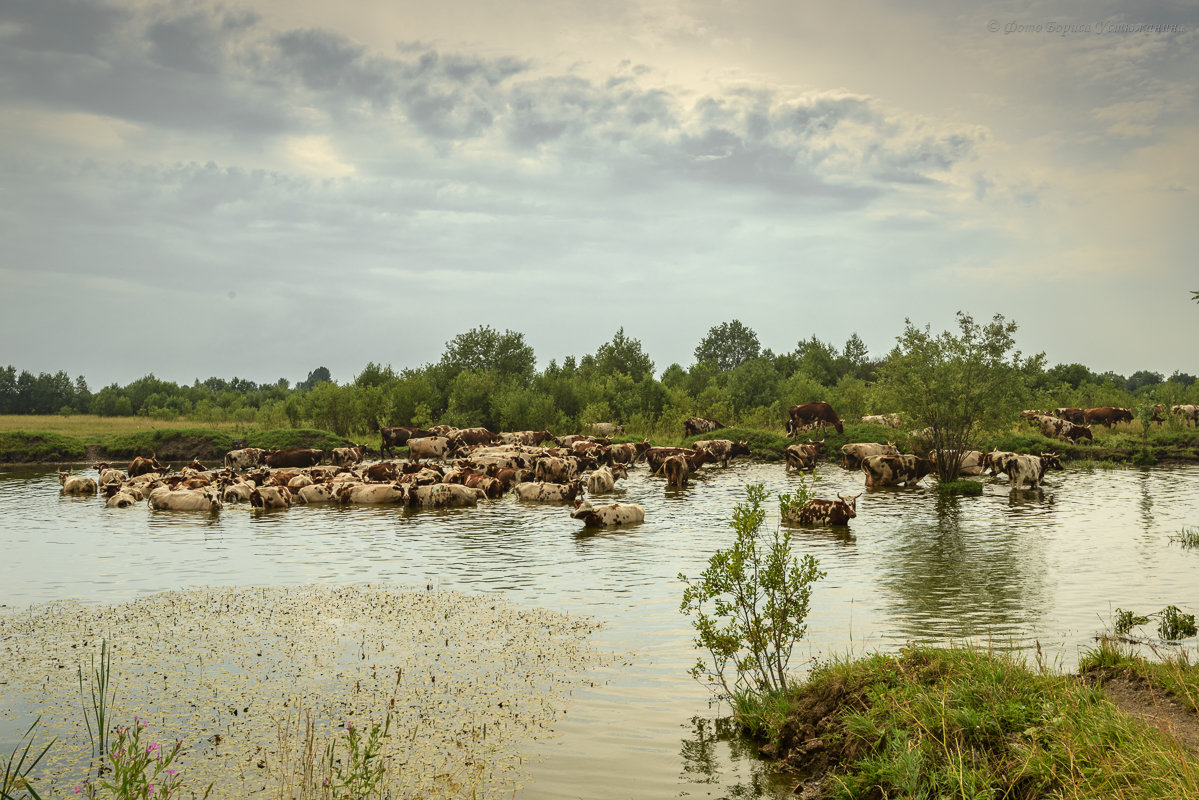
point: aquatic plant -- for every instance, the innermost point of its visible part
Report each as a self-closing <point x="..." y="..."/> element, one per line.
<point x="1125" y="621"/>
<point x="102" y="694"/>
<point x="1173" y="625"/>
<point x="1187" y="537"/>
<point x="18" y="767"/>
<point x="760" y="595"/>
<point x="135" y="771"/>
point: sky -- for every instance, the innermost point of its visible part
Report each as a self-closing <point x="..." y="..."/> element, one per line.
<point x="260" y="187"/>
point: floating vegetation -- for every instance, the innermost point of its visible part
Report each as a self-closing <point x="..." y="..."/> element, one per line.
<point x="264" y="686"/>
<point x="1172" y="624"/>
<point x="1127" y="620"/>
<point x="1187" y="537"/>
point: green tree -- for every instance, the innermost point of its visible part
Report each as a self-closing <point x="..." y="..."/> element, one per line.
<point x="623" y="355"/>
<point x="728" y="345"/>
<point x="957" y="385"/>
<point x="751" y="384"/>
<point x="484" y="348"/>
<point x="820" y="360"/>
<point x="759" y="595"/>
<point x="318" y="375"/>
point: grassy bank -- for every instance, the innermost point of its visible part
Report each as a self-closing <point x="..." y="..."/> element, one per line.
<point x="176" y="442"/>
<point x="57" y="439"/>
<point x="959" y="722"/>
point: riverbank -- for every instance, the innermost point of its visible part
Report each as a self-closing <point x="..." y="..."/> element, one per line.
<point x="959" y="722"/>
<point x="80" y="442"/>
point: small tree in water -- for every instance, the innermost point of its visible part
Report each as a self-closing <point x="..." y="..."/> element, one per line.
<point x="759" y="597"/>
<point x="956" y="385"/>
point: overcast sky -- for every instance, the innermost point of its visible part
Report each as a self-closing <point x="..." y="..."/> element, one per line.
<point x="261" y="187"/>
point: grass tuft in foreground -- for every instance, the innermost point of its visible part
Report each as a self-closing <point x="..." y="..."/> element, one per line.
<point x="959" y="722"/>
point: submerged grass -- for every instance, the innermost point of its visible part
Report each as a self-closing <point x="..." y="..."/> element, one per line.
<point x="961" y="722"/>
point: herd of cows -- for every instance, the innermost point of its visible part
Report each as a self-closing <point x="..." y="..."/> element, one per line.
<point x="451" y="467"/>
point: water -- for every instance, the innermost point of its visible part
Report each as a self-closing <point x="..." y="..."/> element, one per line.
<point x="1013" y="569"/>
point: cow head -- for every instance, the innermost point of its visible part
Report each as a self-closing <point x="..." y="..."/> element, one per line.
<point x="851" y="503"/>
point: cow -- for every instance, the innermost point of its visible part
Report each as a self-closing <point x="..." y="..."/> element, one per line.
<point x="1106" y="415"/>
<point x="1022" y="468"/>
<point x="428" y="447"/>
<point x="444" y="495"/>
<point x="678" y="468"/>
<point x="1188" y="411"/>
<point x="371" y="494"/>
<point x="441" y="430"/>
<point x="1075" y="415"/>
<point x="808" y="415"/>
<point x="390" y="438"/>
<point x="268" y="497"/>
<point x="800" y="456"/>
<point x="604" y="479"/>
<point x="347" y="456"/>
<point x="693" y="426"/>
<point x="890" y="420"/>
<point x="627" y="453"/>
<point x="722" y="449"/>
<point x="164" y="499"/>
<point x="1066" y="431"/>
<point x="469" y="436"/>
<point x="654" y="456"/>
<point x="608" y="515"/>
<point x="76" y="484"/>
<point x="317" y="493"/>
<point x="543" y="492"/>
<point x="144" y="466"/>
<point x="854" y="453"/>
<point x="994" y="461"/>
<point x="894" y="470"/>
<point x="605" y="428"/>
<point x="108" y="475"/>
<point x="238" y="492"/>
<point x="122" y="499"/>
<point x="295" y="457"/>
<point x="530" y="438"/>
<point x="818" y="511"/>
<point x="553" y="469"/>
<point x="245" y="458"/>
<point x="972" y="461"/>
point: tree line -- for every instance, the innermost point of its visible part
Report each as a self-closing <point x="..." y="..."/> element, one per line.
<point x="490" y="378"/>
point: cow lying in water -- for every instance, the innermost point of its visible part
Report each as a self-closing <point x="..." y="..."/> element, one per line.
<point x="608" y="515"/>
<point x="76" y="484"/>
<point x="548" y="492"/>
<point x="164" y="499"/>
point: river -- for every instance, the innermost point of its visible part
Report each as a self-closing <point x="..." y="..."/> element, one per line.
<point x="1015" y="570"/>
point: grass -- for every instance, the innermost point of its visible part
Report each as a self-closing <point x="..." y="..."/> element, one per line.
<point x="1187" y="537"/>
<point x="1172" y="673"/>
<point x="966" y="487"/>
<point x="962" y="722"/>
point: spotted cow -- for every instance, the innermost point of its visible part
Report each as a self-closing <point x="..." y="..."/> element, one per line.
<point x="1065" y="430"/>
<point x="1022" y="468"/>
<point x="609" y="515"/>
<point x="800" y="456"/>
<point x="693" y="426"/>
<point x="894" y="470"/>
<point x="854" y="453"/>
<point x="542" y="492"/>
<point x="604" y="479"/>
<point x="818" y="511"/>
<point x="722" y="449"/>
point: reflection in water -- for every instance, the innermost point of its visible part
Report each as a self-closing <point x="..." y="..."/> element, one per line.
<point x="1146" y="504"/>
<point x="952" y="578"/>
<point x="714" y="748"/>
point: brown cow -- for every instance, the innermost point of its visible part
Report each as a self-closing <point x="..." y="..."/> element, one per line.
<point x="144" y="466"/>
<point x="654" y="456"/>
<point x="76" y="484"/>
<point x="1106" y="415"/>
<point x="293" y="457"/>
<point x="390" y="438"/>
<point x="468" y="436"/>
<point x="678" y="468"/>
<point x="814" y="414"/>
<point x="818" y="511"/>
